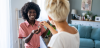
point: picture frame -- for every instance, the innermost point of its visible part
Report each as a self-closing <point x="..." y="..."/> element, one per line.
<point x="97" y="18"/>
<point x="86" y="5"/>
<point x="19" y="14"/>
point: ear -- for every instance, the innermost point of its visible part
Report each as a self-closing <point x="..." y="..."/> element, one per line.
<point x="49" y="18"/>
<point x="51" y="21"/>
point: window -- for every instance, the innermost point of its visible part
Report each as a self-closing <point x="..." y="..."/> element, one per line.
<point x="43" y="14"/>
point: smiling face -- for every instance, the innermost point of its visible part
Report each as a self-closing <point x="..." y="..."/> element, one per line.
<point x="31" y="14"/>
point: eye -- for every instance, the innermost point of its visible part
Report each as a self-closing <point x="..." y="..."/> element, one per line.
<point x="30" y="12"/>
<point x="34" y="12"/>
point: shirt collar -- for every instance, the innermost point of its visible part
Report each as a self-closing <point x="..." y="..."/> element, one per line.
<point x="36" y="23"/>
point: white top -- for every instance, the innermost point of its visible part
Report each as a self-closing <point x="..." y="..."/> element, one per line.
<point x="64" y="40"/>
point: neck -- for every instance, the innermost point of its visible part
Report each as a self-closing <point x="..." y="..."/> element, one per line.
<point x="32" y="22"/>
<point x="61" y="26"/>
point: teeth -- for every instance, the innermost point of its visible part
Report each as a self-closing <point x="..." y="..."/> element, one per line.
<point x="32" y="16"/>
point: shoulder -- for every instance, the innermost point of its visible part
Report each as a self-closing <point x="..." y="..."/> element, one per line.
<point x="55" y="41"/>
<point x="37" y="21"/>
<point x="56" y="37"/>
<point x="22" y="24"/>
<point x="61" y="35"/>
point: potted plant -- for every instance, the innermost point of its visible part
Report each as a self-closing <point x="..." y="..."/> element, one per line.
<point x="93" y="18"/>
<point x="88" y="16"/>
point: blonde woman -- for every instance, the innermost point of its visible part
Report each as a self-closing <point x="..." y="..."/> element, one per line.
<point x="65" y="36"/>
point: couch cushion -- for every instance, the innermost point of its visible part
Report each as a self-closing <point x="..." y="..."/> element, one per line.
<point x="73" y="25"/>
<point x="85" y="31"/>
<point x="97" y="44"/>
<point x="86" y="47"/>
<point x="86" y="42"/>
<point x="95" y="34"/>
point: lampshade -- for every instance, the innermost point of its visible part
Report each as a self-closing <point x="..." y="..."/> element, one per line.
<point x="30" y="0"/>
<point x="73" y="11"/>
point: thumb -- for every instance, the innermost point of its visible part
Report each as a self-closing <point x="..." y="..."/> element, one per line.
<point x="41" y="23"/>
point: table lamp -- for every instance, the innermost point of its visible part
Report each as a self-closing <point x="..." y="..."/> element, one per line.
<point x="73" y="12"/>
<point x="30" y="0"/>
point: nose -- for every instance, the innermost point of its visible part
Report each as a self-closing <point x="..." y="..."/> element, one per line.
<point x="32" y="13"/>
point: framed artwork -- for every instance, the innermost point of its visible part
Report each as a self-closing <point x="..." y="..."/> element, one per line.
<point x="19" y="14"/>
<point x="97" y="18"/>
<point x="86" y="5"/>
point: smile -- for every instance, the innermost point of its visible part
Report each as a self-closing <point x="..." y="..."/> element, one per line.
<point x="32" y="16"/>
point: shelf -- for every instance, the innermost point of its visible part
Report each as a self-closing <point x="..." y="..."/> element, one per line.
<point x="85" y="21"/>
<point x="94" y="24"/>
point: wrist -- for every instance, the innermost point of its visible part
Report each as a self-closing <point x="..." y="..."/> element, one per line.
<point x="32" y="31"/>
<point x="47" y="29"/>
<point x="48" y="26"/>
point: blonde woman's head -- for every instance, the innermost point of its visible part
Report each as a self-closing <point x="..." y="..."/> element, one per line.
<point x="57" y="10"/>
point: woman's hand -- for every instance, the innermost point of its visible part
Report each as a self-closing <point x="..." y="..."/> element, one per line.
<point x="44" y="23"/>
<point x="48" y="22"/>
<point x="36" y="31"/>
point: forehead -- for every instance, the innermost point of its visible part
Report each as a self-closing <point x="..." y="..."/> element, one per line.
<point x="31" y="10"/>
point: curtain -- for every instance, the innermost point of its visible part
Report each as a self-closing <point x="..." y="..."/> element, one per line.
<point x="43" y="14"/>
<point x="5" y="24"/>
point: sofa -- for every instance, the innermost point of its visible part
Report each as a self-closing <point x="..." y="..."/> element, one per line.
<point x="89" y="36"/>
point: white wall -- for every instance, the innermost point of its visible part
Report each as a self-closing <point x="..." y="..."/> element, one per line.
<point x="15" y="4"/>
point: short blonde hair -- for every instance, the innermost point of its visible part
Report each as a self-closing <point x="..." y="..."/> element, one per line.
<point x="58" y="10"/>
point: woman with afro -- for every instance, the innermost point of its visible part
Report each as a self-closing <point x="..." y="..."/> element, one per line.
<point x="30" y="30"/>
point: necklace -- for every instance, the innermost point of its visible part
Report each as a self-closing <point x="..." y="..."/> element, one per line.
<point x="32" y="25"/>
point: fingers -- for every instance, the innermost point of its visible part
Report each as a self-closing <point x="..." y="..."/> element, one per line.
<point x="32" y="31"/>
<point x="42" y="23"/>
<point x="39" y="26"/>
<point x="48" y="21"/>
<point x="37" y="31"/>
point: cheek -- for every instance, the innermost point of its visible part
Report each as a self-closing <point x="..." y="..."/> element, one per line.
<point x="28" y="14"/>
<point x="35" y="13"/>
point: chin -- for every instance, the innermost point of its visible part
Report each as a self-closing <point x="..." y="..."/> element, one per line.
<point x="32" y="19"/>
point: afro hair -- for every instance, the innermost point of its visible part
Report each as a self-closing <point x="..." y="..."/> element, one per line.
<point x="28" y="6"/>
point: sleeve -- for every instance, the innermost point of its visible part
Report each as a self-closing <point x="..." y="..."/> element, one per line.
<point x="55" y="42"/>
<point x="22" y="33"/>
<point x="42" y="30"/>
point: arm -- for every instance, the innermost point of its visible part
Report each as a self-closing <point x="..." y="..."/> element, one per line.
<point x="23" y="35"/>
<point x="53" y="31"/>
<point x="28" y="38"/>
<point x="44" y="34"/>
